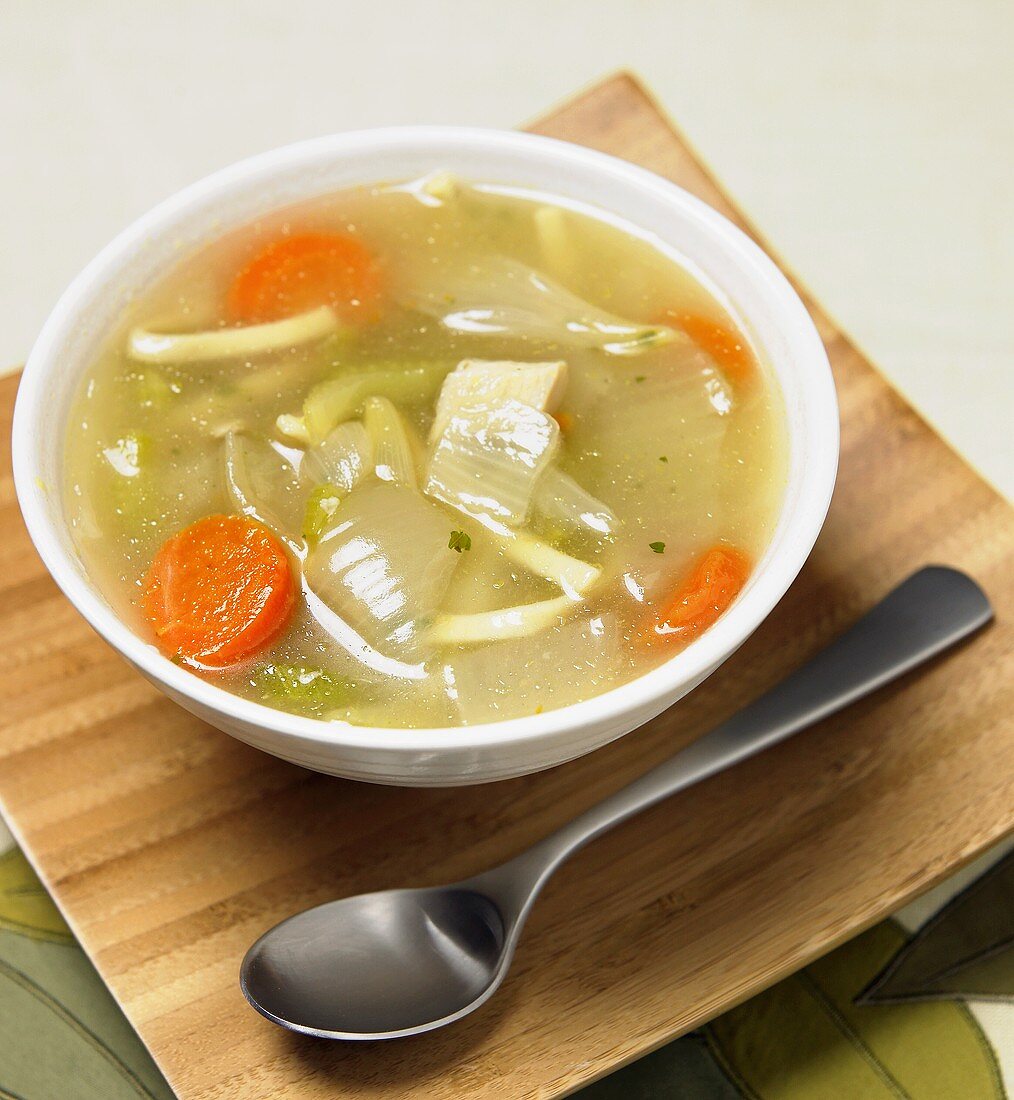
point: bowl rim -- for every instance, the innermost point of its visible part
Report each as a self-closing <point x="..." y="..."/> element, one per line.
<point x="641" y="697"/>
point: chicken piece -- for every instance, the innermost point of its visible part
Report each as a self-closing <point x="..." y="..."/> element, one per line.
<point x="490" y="382"/>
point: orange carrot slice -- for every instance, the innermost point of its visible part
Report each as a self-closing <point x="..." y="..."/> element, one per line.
<point x="218" y="591"/>
<point x="704" y="595"/>
<point x="723" y="343"/>
<point x="300" y="273"/>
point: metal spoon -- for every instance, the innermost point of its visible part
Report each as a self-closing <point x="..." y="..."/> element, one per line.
<point x="396" y="963"/>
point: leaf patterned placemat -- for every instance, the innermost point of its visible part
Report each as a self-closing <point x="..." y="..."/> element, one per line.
<point x="62" y="1036"/>
<point x="921" y="1007"/>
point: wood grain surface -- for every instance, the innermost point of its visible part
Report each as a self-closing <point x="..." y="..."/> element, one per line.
<point x="170" y="847"/>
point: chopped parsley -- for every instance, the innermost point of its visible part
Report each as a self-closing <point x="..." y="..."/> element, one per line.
<point x="459" y="540"/>
<point x="320" y="510"/>
<point x="658" y="547"/>
<point x="663" y="458"/>
<point x="641" y="378"/>
<point x="648" y="338"/>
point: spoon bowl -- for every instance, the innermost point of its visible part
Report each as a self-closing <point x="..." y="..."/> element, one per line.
<point x="380" y="965"/>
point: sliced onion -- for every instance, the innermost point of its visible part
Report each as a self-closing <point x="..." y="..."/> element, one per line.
<point x="502" y="296"/>
<point x="489" y="458"/>
<point x="393" y="457"/>
<point x="343" y="459"/>
<point x="564" y="665"/>
<point x="231" y="343"/>
<point x="384" y="565"/>
<point x="673" y="420"/>
<point x="559" y="497"/>
<point x="263" y="485"/>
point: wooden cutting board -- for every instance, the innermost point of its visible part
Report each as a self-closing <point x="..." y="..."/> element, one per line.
<point x="171" y="847"/>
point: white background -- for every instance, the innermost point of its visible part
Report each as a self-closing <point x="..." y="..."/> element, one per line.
<point x="872" y="141"/>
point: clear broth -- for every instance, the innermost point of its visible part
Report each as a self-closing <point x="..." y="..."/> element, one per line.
<point x="682" y="449"/>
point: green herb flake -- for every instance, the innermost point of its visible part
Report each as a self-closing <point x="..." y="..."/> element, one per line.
<point x="459" y="540"/>
<point x="663" y="458"/>
<point x="640" y="378"/>
<point x="320" y="509"/>
<point x="658" y="547"/>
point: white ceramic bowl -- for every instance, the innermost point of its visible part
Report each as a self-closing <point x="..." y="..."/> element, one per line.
<point x="740" y="273"/>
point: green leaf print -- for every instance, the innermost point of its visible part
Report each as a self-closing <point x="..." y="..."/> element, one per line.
<point x="806" y="1039"/>
<point x="966" y="950"/>
<point x="24" y="904"/>
<point x="62" y="1035"/>
<point x="684" y="1069"/>
<point x="46" y="1047"/>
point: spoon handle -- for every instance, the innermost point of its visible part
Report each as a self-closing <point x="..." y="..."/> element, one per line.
<point x="924" y="615"/>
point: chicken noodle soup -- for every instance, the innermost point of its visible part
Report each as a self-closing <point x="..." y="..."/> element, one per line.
<point x="425" y="454"/>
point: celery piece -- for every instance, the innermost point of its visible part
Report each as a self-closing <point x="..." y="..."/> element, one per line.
<point x="309" y="691"/>
<point x="320" y="508"/>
